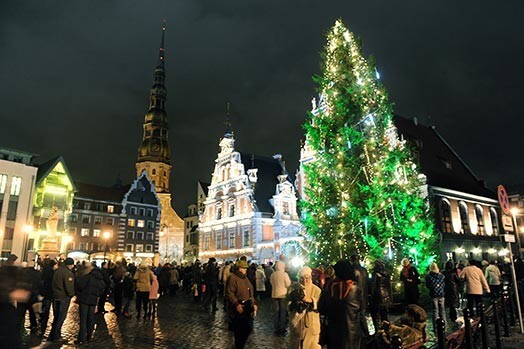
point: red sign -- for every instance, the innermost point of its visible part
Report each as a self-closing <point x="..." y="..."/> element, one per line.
<point x="503" y="199"/>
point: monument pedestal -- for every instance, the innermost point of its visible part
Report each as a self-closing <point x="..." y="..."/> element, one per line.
<point x="49" y="248"/>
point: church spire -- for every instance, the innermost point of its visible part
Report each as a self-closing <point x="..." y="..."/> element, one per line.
<point x="154" y="148"/>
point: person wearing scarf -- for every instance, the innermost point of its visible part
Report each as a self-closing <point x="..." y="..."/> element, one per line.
<point x="410" y="277"/>
<point x="340" y="303"/>
<point x="304" y="317"/>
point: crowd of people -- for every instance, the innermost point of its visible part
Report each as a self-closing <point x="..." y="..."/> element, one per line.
<point x="339" y="306"/>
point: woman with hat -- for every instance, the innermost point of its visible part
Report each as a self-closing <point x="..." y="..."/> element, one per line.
<point x="340" y="303"/>
<point x="304" y="316"/>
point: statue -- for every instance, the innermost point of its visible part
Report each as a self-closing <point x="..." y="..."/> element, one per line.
<point x="52" y="222"/>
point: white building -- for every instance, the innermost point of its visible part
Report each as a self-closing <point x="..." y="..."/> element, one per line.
<point x="17" y="185"/>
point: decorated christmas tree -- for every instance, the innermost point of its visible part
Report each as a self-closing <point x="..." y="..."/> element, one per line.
<point x="364" y="193"/>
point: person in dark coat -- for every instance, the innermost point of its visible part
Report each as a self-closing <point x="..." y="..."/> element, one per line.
<point x="46" y="291"/>
<point x="118" y="278"/>
<point x="361" y="275"/>
<point x="410" y="277"/>
<point x="197" y="280"/>
<point x="380" y="292"/>
<point x="252" y="275"/>
<point x="128" y="290"/>
<point x="63" y="291"/>
<point x="163" y="279"/>
<point x="451" y="289"/>
<point x="32" y="278"/>
<point x="340" y="303"/>
<point x="89" y="287"/>
<point x="107" y="281"/>
<point x="211" y="281"/>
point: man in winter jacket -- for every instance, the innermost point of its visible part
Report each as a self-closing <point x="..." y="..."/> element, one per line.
<point x="493" y="277"/>
<point x="143" y="278"/>
<point x="475" y="283"/>
<point x="89" y="286"/>
<point x="241" y="303"/>
<point x="280" y="282"/>
<point x="63" y="289"/>
<point x="46" y="291"/>
<point x="211" y="281"/>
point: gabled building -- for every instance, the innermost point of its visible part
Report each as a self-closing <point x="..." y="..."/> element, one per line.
<point x="250" y="208"/>
<point x="191" y="231"/>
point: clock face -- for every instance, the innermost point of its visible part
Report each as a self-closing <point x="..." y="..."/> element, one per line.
<point x="155" y="147"/>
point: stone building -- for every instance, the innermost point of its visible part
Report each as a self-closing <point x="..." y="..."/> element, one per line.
<point x="250" y="208"/>
<point x="154" y="155"/>
<point x="191" y="231"/>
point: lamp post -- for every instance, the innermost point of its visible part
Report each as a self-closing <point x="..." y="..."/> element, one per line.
<point x="27" y="229"/>
<point x="106" y="235"/>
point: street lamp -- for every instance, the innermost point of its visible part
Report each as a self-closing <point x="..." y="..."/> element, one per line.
<point x="106" y="235"/>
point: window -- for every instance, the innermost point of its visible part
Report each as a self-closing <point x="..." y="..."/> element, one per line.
<point x="130" y="222"/>
<point x="130" y="235"/>
<point x="445" y="216"/>
<point x="132" y="211"/>
<point x="98" y="220"/>
<point x="3" y="183"/>
<point x="82" y="246"/>
<point x="231" y="240"/>
<point x="12" y="208"/>
<point x="72" y="231"/>
<point x="86" y="219"/>
<point x="165" y="173"/>
<point x="141" y="212"/>
<point x="84" y="232"/>
<point x="149" y="236"/>
<point x="285" y="208"/>
<point x="99" y="207"/>
<point x="246" y="238"/>
<point x="9" y="233"/>
<point x="231" y="210"/>
<point x="219" y="241"/>
<point x="109" y="221"/>
<point x="110" y="208"/>
<point x="219" y="213"/>
<point x="154" y="171"/>
<point x="140" y="223"/>
<point x="150" y="224"/>
<point x="207" y="239"/>
<point x="16" y="183"/>
<point x="87" y="205"/>
<point x="149" y="248"/>
<point x="187" y="224"/>
<point x="464" y="220"/>
<point x="96" y="233"/>
<point x="139" y="248"/>
<point x="494" y="221"/>
<point x="187" y="239"/>
<point x="149" y="212"/>
<point x="479" y="213"/>
<point x="73" y="218"/>
<point x="140" y="235"/>
<point x="129" y="247"/>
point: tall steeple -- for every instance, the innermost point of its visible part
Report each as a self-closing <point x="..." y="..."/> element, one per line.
<point x="154" y="155"/>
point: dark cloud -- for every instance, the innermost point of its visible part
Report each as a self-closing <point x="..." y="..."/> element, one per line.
<point x="75" y="77"/>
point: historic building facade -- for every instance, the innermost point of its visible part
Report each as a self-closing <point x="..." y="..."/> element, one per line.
<point x="250" y="208"/>
<point x="17" y="185"/>
<point x="191" y="220"/>
<point x="154" y="155"/>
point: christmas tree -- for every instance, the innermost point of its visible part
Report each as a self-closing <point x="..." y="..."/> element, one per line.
<point x="363" y="190"/>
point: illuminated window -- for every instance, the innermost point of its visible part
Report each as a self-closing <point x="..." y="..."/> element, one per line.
<point x="246" y="238"/>
<point x="131" y="222"/>
<point x="219" y="241"/>
<point x="445" y="216"/>
<point x="96" y="233"/>
<point x="110" y="208"/>
<point x="464" y="219"/>
<point x="207" y="240"/>
<point x="129" y="248"/>
<point x="149" y="248"/>
<point x="84" y="232"/>
<point x="479" y="213"/>
<point x="140" y="223"/>
<point x="16" y="183"/>
<point x="231" y="240"/>
<point x="494" y="221"/>
<point x="139" y="248"/>
<point x="3" y="183"/>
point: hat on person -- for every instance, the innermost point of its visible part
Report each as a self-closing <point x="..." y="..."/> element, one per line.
<point x="305" y="271"/>
<point x="242" y="264"/>
<point x="344" y="270"/>
<point x="69" y="261"/>
<point x="12" y="257"/>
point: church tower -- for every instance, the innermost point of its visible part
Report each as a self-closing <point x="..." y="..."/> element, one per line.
<point x="154" y="157"/>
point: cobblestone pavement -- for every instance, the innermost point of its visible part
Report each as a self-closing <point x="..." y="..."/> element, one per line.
<point x="182" y="324"/>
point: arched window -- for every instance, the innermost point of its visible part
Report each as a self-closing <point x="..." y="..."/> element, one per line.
<point x="464" y="220"/>
<point x="219" y="213"/>
<point x="445" y="216"/>
<point x="154" y="171"/>
<point x="231" y="210"/>
<point x="479" y="213"/>
<point x="494" y="221"/>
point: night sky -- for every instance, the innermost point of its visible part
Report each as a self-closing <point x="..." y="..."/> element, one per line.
<point x="75" y="77"/>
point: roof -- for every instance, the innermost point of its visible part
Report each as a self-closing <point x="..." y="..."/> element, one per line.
<point x="46" y="168"/>
<point x="268" y="171"/>
<point x="439" y="162"/>
<point x="99" y="193"/>
<point x="204" y="186"/>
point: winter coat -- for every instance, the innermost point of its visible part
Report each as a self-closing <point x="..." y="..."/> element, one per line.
<point x="280" y="281"/>
<point x="305" y="326"/>
<point x="226" y="272"/>
<point x="174" y="277"/>
<point x="128" y="287"/>
<point x="260" y="279"/>
<point x="475" y="280"/>
<point x="164" y="276"/>
<point x="409" y="276"/>
<point x="361" y="275"/>
<point x="63" y="283"/>
<point x="251" y="274"/>
<point x="143" y="278"/>
<point x="340" y="303"/>
<point x="153" y="292"/>
<point x="46" y="282"/>
<point x="451" y="286"/>
<point x="435" y="283"/>
<point x="238" y="290"/>
<point x="211" y="274"/>
<point x="493" y="274"/>
<point x="89" y="287"/>
<point x="380" y="289"/>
